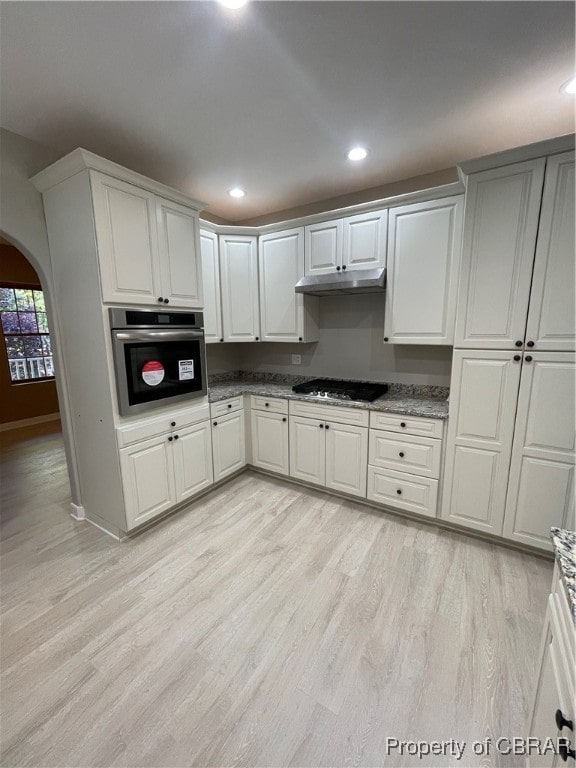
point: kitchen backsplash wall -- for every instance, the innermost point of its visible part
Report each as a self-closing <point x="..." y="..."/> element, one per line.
<point x="350" y="346"/>
<point x="223" y="358"/>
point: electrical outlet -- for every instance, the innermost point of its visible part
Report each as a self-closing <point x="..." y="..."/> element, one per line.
<point x="296" y="359"/>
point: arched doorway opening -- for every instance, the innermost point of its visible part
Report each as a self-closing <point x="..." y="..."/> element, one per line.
<point x="60" y="398"/>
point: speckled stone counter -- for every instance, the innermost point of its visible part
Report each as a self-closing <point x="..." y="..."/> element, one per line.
<point x="407" y="400"/>
<point x="565" y="550"/>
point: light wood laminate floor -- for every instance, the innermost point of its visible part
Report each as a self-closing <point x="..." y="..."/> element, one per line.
<point x="269" y="625"/>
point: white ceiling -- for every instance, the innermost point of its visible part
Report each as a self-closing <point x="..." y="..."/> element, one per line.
<point x="270" y="97"/>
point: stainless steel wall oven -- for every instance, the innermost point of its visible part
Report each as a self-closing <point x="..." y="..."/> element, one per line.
<point x="159" y="358"/>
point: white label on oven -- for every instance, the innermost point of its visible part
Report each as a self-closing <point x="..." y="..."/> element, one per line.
<point x="186" y="368"/>
<point x="153" y="373"/>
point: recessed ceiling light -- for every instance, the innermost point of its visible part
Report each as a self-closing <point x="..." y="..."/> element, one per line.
<point x="570" y="86"/>
<point x="236" y="192"/>
<point x="233" y="4"/>
<point x="358" y="153"/>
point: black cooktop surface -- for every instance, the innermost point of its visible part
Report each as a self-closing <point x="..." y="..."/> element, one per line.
<point x="335" y="389"/>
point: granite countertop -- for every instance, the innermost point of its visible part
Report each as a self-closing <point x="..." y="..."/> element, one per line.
<point x="404" y="399"/>
<point x="565" y="550"/>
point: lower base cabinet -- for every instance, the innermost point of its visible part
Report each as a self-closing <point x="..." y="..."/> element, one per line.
<point x="329" y="453"/>
<point x="555" y="686"/>
<point x="269" y="441"/>
<point x="228" y="444"/>
<point x="164" y="471"/>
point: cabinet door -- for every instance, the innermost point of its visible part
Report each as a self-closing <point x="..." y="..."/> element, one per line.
<point x="307" y="450"/>
<point x="424" y="247"/>
<point x="178" y="247"/>
<point x="550" y="695"/>
<point x="270" y="441"/>
<point x="346" y="458"/>
<point x="541" y="487"/>
<point x="281" y="265"/>
<point x="211" y="285"/>
<point x="551" y="317"/>
<point x="364" y="240"/>
<point x="501" y="222"/>
<point x="228" y="445"/>
<point x="239" y="274"/>
<point x="483" y="397"/>
<point x="192" y="460"/>
<point x="125" y="222"/>
<point x="148" y="479"/>
<point x="323" y="247"/>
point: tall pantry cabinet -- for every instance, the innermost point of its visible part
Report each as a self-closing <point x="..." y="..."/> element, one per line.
<point x="510" y="444"/>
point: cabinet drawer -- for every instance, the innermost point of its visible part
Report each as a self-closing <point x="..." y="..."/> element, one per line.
<point x="144" y="429"/>
<point x="403" y="491"/>
<point x="226" y="406"/>
<point x="412" y="425"/>
<point x="273" y="404"/>
<point x="333" y="413"/>
<point x="405" y="453"/>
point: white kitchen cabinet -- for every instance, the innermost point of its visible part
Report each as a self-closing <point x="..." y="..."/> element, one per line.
<point x="211" y="283"/>
<point x="541" y="485"/>
<point x="147" y="246"/>
<point x="284" y="314"/>
<point x="501" y="224"/>
<point x="164" y="460"/>
<point x="178" y="247"/>
<point x="551" y="316"/>
<point x="307" y="450"/>
<point x="555" y="685"/>
<point x="483" y="397"/>
<point x="364" y="240"/>
<point x="228" y="444"/>
<point x="354" y="242"/>
<point x="192" y="460"/>
<point x="239" y="276"/>
<point x="323" y="247"/>
<point x="148" y="479"/>
<point x="424" y="246"/>
<point x="126" y="231"/>
<point x="331" y="453"/>
<point x="346" y="458"/>
<point x="270" y="441"/>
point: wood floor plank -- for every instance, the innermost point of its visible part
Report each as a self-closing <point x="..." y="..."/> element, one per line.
<point x="265" y="625"/>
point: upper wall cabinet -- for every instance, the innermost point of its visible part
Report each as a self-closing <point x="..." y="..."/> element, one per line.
<point x="424" y="246"/>
<point x="551" y="321"/>
<point x="355" y="242"/>
<point x="284" y="314"/>
<point x="518" y="257"/>
<point x="211" y="281"/>
<point x="239" y="276"/>
<point x="147" y="246"/>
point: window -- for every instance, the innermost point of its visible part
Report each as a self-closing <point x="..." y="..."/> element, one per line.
<point x="26" y="336"/>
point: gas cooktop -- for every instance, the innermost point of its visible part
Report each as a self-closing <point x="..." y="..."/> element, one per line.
<point x="334" y="389"/>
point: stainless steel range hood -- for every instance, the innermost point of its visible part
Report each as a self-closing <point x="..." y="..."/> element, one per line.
<point x="344" y="282"/>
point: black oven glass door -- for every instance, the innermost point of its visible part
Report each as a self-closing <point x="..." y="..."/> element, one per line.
<point x="157" y="370"/>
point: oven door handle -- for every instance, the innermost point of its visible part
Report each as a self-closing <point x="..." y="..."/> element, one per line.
<point x="166" y="335"/>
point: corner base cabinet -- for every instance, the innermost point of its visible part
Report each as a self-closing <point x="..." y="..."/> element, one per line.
<point x="269" y="432"/>
<point x="228" y="437"/>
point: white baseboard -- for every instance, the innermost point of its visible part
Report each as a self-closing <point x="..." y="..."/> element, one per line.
<point x="78" y="511"/>
<point x="28" y="422"/>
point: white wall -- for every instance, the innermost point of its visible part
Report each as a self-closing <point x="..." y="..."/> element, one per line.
<point x="351" y="346"/>
<point x="22" y="224"/>
<point x="221" y="358"/>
